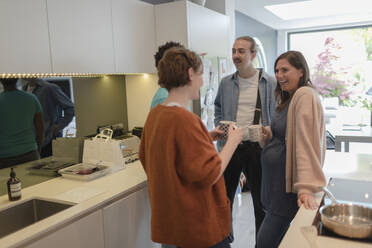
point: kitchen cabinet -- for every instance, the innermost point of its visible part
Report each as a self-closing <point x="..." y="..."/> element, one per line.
<point x="81" y="36"/>
<point x="134" y="36"/>
<point x="85" y="232"/>
<point x="198" y="28"/>
<point x="127" y="222"/>
<point x="24" y="43"/>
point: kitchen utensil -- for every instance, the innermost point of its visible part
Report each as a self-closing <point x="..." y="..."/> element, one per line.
<point x="330" y="195"/>
<point x="347" y="219"/>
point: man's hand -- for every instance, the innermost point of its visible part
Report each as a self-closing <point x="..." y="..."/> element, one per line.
<point x="235" y="134"/>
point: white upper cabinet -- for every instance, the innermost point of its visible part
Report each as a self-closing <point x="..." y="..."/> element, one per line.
<point x="24" y="42"/>
<point x="198" y="28"/>
<point x="86" y="36"/>
<point x="134" y="36"/>
<point x="81" y="36"/>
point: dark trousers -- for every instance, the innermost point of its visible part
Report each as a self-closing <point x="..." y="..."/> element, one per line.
<point x="246" y="157"/>
<point x="272" y="230"/>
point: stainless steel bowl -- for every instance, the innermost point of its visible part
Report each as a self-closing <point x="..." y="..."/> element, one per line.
<point x="348" y="219"/>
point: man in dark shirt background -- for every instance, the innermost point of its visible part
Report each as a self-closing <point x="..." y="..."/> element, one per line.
<point x="58" y="110"/>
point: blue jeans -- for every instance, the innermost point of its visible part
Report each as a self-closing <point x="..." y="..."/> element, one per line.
<point x="272" y="230"/>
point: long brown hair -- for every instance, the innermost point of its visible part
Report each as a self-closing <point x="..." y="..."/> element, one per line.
<point x="297" y="60"/>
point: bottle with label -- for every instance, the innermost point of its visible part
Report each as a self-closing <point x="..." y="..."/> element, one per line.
<point x="14" y="187"/>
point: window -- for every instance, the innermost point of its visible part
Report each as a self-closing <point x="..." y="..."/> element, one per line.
<point x="340" y="62"/>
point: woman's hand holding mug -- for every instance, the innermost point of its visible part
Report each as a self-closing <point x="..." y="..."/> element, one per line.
<point x="235" y="134"/>
<point x="266" y="134"/>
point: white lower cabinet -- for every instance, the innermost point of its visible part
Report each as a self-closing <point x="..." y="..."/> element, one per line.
<point x="124" y="223"/>
<point x="127" y="222"/>
<point x="85" y="232"/>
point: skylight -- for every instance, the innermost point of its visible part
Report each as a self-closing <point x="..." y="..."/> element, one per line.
<point x="319" y="8"/>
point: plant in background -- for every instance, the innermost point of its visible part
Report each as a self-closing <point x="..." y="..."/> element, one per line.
<point x="366" y="35"/>
<point x="327" y="78"/>
<point x="367" y="103"/>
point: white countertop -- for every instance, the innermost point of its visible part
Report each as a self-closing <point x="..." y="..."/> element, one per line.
<point x="92" y="195"/>
<point x="89" y="196"/>
<point x="340" y="165"/>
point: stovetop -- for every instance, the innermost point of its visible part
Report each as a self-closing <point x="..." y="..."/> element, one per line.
<point x="345" y="190"/>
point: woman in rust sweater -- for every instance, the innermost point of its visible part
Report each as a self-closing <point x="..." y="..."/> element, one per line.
<point x="189" y="206"/>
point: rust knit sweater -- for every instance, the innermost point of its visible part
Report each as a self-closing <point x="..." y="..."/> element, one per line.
<point x="181" y="163"/>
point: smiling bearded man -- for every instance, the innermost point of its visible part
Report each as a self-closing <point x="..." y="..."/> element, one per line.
<point x="247" y="98"/>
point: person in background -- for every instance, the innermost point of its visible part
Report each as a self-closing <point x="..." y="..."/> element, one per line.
<point x="58" y="110"/>
<point x="161" y="94"/>
<point x="21" y="125"/>
<point x="293" y="157"/>
<point x="245" y="97"/>
<point x="189" y="206"/>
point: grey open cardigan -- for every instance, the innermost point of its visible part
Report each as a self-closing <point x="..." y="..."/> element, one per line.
<point x="305" y="143"/>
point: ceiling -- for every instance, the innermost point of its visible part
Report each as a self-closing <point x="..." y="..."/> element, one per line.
<point x="256" y="10"/>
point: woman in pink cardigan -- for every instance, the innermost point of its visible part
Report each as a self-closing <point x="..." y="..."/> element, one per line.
<point x="293" y="156"/>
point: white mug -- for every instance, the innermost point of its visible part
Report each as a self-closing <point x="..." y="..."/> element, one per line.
<point x="255" y="133"/>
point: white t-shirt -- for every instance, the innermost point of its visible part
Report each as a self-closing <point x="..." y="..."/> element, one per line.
<point x="248" y="88"/>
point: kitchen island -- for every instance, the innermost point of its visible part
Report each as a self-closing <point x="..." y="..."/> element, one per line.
<point x="111" y="211"/>
<point x="337" y="165"/>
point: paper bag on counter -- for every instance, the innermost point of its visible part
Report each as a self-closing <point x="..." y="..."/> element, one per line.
<point x="105" y="152"/>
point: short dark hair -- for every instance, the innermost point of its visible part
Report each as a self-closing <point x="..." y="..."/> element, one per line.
<point x="8" y="81"/>
<point x="253" y="47"/>
<point x="161" y="50"/>
<point x="173" y="68"/>
<point x="298" y="61"/>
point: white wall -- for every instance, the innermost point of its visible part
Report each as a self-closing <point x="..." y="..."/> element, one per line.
<point x="139" y="90"/>
<point x="226" y="7"/>
<point x="268" y="37"/>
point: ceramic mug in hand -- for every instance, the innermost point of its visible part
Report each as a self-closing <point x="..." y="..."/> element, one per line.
<point x="255" y="133"/>
<point x="224" y="125"/>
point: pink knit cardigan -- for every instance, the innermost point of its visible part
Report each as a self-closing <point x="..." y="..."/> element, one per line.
<point x="305" y="143"/>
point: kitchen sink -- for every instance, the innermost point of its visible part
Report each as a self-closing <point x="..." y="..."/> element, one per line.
<point x="27" y="213"/>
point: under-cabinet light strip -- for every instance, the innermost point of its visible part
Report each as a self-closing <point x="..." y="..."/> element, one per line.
<point x="44" y="75"/>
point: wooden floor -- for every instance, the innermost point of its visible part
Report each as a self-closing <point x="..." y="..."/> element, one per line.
<point x="243" y="221"/>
